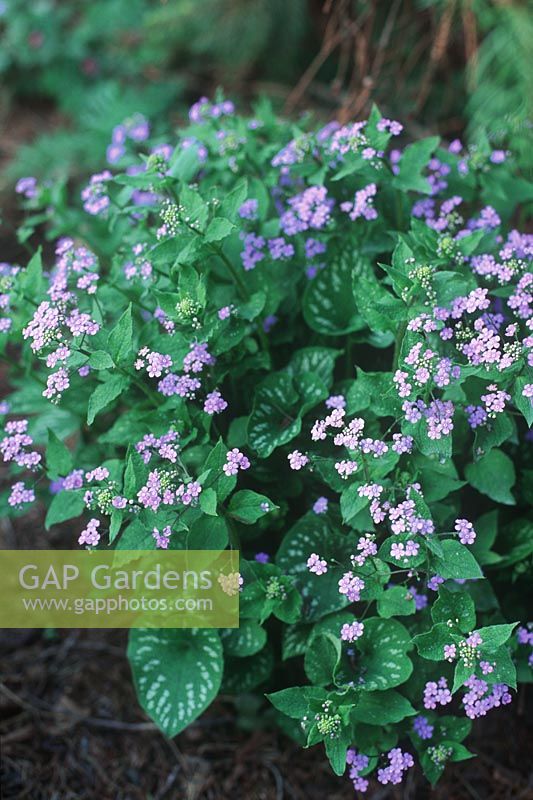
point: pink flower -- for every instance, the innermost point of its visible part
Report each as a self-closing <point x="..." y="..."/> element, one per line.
<point x="316" y="564"/>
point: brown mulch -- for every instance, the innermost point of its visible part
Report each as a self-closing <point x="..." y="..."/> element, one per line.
<point x="72" y="728"/>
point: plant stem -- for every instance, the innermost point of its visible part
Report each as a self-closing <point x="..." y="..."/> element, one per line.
<point x="402" y="327"/>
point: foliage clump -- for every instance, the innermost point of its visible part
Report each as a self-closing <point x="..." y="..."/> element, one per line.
<point x="313" y="346"/>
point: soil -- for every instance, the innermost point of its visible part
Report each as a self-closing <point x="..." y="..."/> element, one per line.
<point x="72" y="728"/>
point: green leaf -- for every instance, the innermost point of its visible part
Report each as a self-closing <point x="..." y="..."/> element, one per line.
<point x="289" y="610"/>
<point x="518" y="535"/>
<point x="336" y="748"/>
<point x="383" y="663"/>
<point x="246" y="640"/>
<point x="504" y="669"/>
<point x="135" y="474"/>
<point x="184" y="163"/>
<point x="177" y="673"/>
<point x="373" y="390"/>
<point x="294" y="641"/>
<point x="382" y="708"/>
<point x="137" y="536"/>
<point x="120" y="340"/>
<point x="195" y="210"/>
<point x="321" y="658"/>
<point x="494" y="636"/>
<point x="218" y="229"/>
<point x="378" y="307"/>
<point x="437" y="480"/>
<point x="208" y="533"/>
<point x="208" y="502"/>
<point x="223" y="484"/>
<point x="486" y="530"/>
<point x="493" y="475"/>
<point x="328" y="303"/>
<point x="253" y="307"/>
<point x="318" y="361"/>
<point x="396" y="602"/>
<point x="247" y="506"/>
<point x="313" y="534"/>
<point x="524" y="404"/>
<point x="294" y="702"/>
<point x="115" y="523"/>
<point x="456" y="728"/>
<point x="461" y="674"/>
<point x="32" y="277"/>
<point x="65" y="505"/>
<point x="414" y="159"/>
<point x="280" y="402"/>
<point x="58" y="456"/>
<point x="234" y="199"/>
<point x="100" y="359"/>
<point x="456" y="562"/>
<point x="431" y="644"/>
<point x="352" y="503"/>
<point x="241" y="675"/>
<point x="455" y="606"/>
<point x="494" y="433"/>
<point x="104" y="394"/>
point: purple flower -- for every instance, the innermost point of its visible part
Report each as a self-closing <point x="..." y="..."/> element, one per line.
<point x="316" y="564"/>
<point x="450" y="651"/>
<point x="269" y="322"/>
<point x="422" y="727"/>
<point x="90" y="534"/>
<point x="320" y="506"/>
<point x="214" y="403"/>
<point x="362" y="205"/>
<point x="357" y="762"/>
<point x="314" y="247"/>
<point x="478" y="701"/>
<point x="309" y="210"/>
<point x="249" y="209"/>
<point x="114" y="153"/>
<point x="20" y="496"/>
<point x="235" y="460"/>
<point x="162" y="539"/>
<point x="253" y="251"/>
<point x="336" y="401"/>
<point x="297" y="460"/>
<point x="351" y="586"/>
<point x="119" y="502"/>
<point x="398" y="764"/>
<point x="280" y="249"/>
<point x="465" y="531"/>
<point x="350" y="632"/>
<point x="434" y="582"/>
<point x="95" y="198"/>
<point x="437" y="693"/>
<point x="197" y="358"/>
<point x="27" y="187"/>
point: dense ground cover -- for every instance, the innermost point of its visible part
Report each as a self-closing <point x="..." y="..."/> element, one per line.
<point x="313" y="346"/>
